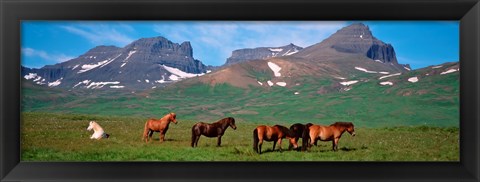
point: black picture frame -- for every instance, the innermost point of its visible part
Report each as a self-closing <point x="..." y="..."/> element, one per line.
<point x="14" y="11"/>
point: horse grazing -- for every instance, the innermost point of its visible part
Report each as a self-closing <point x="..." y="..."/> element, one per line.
<point x="274" y="133"/>
<point x="326" y="133"/>
<point x="216" y="129"/>
<point x="297" y="129"/>
<point x="98" y="132"/>
<point x="161" y="125"/>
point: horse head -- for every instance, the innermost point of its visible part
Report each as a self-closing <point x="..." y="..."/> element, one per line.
<point x="232" y="123"/>
<point x="172" y="117"/>
<point x="91" y="125"/>
<point x="351" y="129"/>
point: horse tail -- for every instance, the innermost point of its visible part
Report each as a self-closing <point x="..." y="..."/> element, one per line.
<point x="145" y="132"/>
<point x="305" y="137"/>
<point x="194" y="136"/>
<point x="255" y="140"/>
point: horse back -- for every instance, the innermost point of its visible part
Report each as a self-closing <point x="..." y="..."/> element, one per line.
<point x="208" y="130"/>
<point x="155" y="125"/>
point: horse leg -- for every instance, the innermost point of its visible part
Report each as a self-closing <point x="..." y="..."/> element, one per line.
<point x="196" y="140"/>
<point x="162" y="136"/>
<point x="280" y="144"/>
<point x="296" y="141"/>
<point x="274" y="143"/>
<point x="290" y="146"/>
<point x="260" y="146"/>
<point x="313" y="140"/>
<point x="335" y="144"/>
<point x="150" y="134"/>
<point x="219" y="141"/>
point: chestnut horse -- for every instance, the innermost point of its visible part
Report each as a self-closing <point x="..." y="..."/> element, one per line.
<point x="216" y="129"/>
<point x="161" y="125"/>
<point x="297" y="130"/>
<point x="326" y="133"/>
<point x="275" y="133"/>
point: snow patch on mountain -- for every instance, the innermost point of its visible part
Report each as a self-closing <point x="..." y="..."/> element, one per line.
<point x="177" y="74"/>
<point x="95" y="85"/>
<point x="396" y="74"/>
<point x="30" y="76"/>
<point x="270" y="83"/>
<point x="365" y="70"/>
<point x="386" y="83"/>
<point x="275" y="68"/>
<point x="413" y="79"/>
<point x="55" y="83"/>
<point x="85" y="82"/>
<point x="349" y="82"/>
<point x="276" y="50"/>
<point x="288" y="53"/>
<point x="88" y="67"/>
<point x="449" y="71"/>
<point x="128" y="56"/>
<point x="282" y="84"/>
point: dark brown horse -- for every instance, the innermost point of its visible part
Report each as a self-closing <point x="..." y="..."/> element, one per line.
<point x="271" y="133"/>
<point x="326" y="133"/>
<point x="297" y="130"/>
<point x="161" y="125"/>
<point x="216" y="129"/>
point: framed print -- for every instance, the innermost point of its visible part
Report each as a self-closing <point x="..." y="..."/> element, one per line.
<point x="239" y="90"/>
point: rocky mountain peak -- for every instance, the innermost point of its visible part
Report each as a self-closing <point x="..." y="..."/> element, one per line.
<point x="102" y="49"/>
<point x="161" y="45"/>
<point x="241" y="55"/>
<point x="144" y="63"/>
<point x="356" y="38"/>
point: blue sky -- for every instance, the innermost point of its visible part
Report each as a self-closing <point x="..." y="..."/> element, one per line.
<point x="418" y="43"/>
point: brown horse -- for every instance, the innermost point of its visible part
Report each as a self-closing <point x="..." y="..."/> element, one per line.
<point x="275" y="133"/>
<point x="297" y="130"/>
<point x="326" y="133"/>
<point x="161" y="125"/>
<point x="216" y="129"/>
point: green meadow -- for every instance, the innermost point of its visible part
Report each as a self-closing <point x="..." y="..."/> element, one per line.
<point x="63" y="137"/>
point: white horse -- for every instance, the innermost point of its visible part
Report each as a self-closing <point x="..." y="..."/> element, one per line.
<point x="98" y="131"/>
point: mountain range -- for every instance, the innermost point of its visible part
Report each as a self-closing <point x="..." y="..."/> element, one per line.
<point x="350" y="76"/>
<point x="242" y="55"/>
<point x="144" y="63"/>
<point x="149" y="63"/>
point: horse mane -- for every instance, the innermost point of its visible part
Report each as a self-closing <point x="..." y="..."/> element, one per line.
<point x="342" y="124"/>
<point x="223" y="122"/>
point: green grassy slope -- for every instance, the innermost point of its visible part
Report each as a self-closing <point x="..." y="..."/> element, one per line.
<point x="430" y="101"/>
<point x="63" y="137"/>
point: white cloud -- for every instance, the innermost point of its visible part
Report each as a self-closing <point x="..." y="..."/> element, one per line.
<point x="101" y="34"/>
<point x="52" y="58"/>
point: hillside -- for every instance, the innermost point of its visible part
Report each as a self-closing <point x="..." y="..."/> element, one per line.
<point x="350" y="76"/>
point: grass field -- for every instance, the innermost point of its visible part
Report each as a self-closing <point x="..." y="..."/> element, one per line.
<point x="63" y="137"/>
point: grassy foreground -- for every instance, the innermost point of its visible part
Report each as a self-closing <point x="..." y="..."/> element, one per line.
<point x="63" y="137"/>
